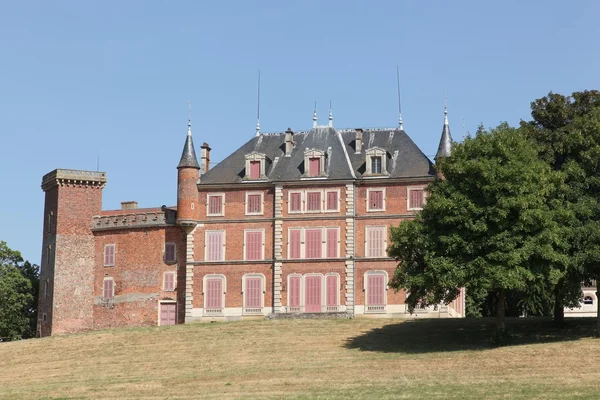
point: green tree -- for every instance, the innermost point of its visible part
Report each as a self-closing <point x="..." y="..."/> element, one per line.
<point x="19" y="288"/>
<point x="490" y="226"/>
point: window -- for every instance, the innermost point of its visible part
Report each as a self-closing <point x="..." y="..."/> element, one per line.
<point x="50" y="215"/>
<point x="46" y="288"/>
<point x="294" y="249"/>
<point x="214" y="294"/>
<point x="44" y="317"/>
<point x="169" y="281"/>
<point x="332" y="201"/>
<point x="332" y="292"/>
<point x="375" y="291"/>
<point x="312" y="293"/>
<point x="108" y="291"/>
<point x="376" y="165"/>
<point x="253" y="287"/>
<point x="375" y="200"/>
<point x="253" y="245"/>
<point x="314" y="163"/>
<point x="254" y="169"/>
<point x="332" y="242"/>
<point x="588" y="300"/>
<point x="215" y="204"/>
<point x="170" y="252"/>
<point x="376" y="240"/>
<point x="49" y="254"/>
<point x="214" y="247"/>
<point x="294" y="293"/>
<point x="314" y="166"/>
<point x="313" y="243"/>
<point x="295" y="202"/>
<point x="416" y="198"/>
<point x="254" y="203"/>
<point x="313" y="201"/>
<point x="109" y="255"/>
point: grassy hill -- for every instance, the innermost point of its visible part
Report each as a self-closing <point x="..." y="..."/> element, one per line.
<point x="359" y="358"/>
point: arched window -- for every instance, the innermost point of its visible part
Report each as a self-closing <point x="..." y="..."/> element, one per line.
<point x="588" y="300"/>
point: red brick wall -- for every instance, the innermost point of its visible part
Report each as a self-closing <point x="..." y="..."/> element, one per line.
<point x="47" y="262"/>
<point x="187" y="194"/>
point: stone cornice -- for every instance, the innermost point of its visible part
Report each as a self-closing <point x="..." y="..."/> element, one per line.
<point x="73" y="177"/>
<point x="132" y="220"/>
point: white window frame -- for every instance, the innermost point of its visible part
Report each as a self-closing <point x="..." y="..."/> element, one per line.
<point x="323" y="241"/>
<point x="224" y="288"/>
<point x="369" y="190"/>
<point x="376" y="152"/>
<point x="262" y="203"/>
<point x="290" y="201"/>
<point x="314" y="153"/>
<point x="301" y="243"/>
<point x="174" y="253"/>
<point x="224" y="244"/>
<point x="301" y="294"/>
<point x="327" y="191"/>
<point x="411" y="188"/>
<point x="262" y="231"/>
<point x="323" y="290"/>
<point x="385" y="293"/>
<point x="255" y="156"/>
<point x="245" y="310"/>
<point x="338" y="289"/>
<point x="114" y="246"/>
<point x="165" y="281"/>
<point x="109" y="278"/>
<point x="306" y="210"/>
<point x="385" y="240"/>
<point x="208" y="196"/>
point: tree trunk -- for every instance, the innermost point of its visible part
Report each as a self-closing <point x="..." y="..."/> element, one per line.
<point x="559" y="309"/>
<point x="500" y="314"/>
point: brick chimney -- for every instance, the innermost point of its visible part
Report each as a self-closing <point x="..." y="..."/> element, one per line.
<point x="359" y="139"/>
<point x="289" y="142"/>
<point x="205" y="157"/>
<point x="129" y="205"/>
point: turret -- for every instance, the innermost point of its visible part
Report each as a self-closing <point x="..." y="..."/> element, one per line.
<point x="445" y="147"/>
<point x="188" y="212"/>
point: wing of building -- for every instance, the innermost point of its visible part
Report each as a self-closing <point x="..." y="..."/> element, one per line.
<point x="289" y="223"/>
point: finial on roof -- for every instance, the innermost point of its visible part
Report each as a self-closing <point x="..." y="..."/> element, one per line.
<point x="445" y="108"/>
<point x="400" y="126"/>
<point x="445" y="147"/>
<point x="189" y="118"/>
<point x="188" y="155"/>
<point x="258" y="107"/>
<point x="330" y="115"/>
<point x="315" y="116"/>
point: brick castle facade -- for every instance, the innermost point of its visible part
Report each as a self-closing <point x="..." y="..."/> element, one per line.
<point x="290" y="223"/>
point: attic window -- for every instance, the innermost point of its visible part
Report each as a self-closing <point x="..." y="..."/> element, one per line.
<point x="255" y="166"/>
<point x="314" y="164"/>
<point x="376" y="162"/>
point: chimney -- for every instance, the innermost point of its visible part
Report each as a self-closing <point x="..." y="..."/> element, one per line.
<point x="128" y="205"/>
<point x="289" y="142"/>
<point x="205" y="158"/>
<point x="358" y="142"/>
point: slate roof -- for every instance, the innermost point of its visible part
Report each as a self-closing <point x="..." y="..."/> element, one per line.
<point x="445" y="147"/>
<point x="404" y="158"/>
<point x="188" y="155"/>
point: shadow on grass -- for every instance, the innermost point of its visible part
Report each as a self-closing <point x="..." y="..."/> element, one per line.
<point x="441" y="335"/>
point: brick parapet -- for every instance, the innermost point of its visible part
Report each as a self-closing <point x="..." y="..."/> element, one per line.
<point x="73" y="177"/>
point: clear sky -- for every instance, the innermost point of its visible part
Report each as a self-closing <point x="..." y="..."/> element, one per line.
<point x="112" y="79"/>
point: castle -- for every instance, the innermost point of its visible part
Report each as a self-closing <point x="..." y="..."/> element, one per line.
<point x="290" y="223"/>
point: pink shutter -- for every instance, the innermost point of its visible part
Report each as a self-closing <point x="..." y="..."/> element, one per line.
<point x="313" y="294"/>
<point x="376" y="289"/>
<point x="332" y="284"/>
<point x="376" y="199"/>
<point x="313" y="243"/>
<point x="109" y="292"/>
<point x="295" y="202"/>
<point x="214" y="246"/>
<point x="253" y="292"/>
<point x="376" y="242"/>
<point x="332" y="242"/>
<point x="214" y="293"/>
<point x="295" y="243"/>
<point x="314" y="166"/>
<point x="313" y="201"/>
<point x="109" y="254"/>
<point x="416" y="198"/>
<point x="254" y="205"/>
<point x="332" y="200"/>
<point x="215" y="204"/>
<point x="294" y="291"/>
<point x="169" y="281"/>
<point x="169" y="252"/>
<point x="254" y="169"/>
<point x="253" y="245"/>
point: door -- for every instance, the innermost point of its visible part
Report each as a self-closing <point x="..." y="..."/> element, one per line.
<point x="313" y="294"/>
<point x="168" y="312"/>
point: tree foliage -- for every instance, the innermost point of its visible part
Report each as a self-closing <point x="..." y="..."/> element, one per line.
<point x="19" y="287"/>
<point x="490" y="226"/>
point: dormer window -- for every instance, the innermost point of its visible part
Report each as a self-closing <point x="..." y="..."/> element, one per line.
<point x="314" y="164"/>
<point x="255" y="166"/>
<point x="376" y="161"/>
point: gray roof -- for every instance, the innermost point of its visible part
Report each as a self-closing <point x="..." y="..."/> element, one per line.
<point x="445" y="147"/>
<point x="188" y="155"/>
<point x="404" y="158"/>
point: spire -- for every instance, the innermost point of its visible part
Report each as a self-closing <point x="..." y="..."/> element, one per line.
<point x="400" y="126"/>
<point x="445" y="147"/>
<point x="188" y="156"/>
<point x="258" y="107"/>
<point x="315" y="116"/>
<point x="330" y="115"/>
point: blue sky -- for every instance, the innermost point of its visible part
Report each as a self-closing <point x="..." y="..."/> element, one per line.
<point x="81" y="80"/>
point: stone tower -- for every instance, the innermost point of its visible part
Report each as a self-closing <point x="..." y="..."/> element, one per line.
<point x="188" y="211"/>
<point x="73" y="197"/>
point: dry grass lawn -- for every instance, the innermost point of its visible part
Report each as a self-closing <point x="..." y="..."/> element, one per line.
<point x="360" y="358"/>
